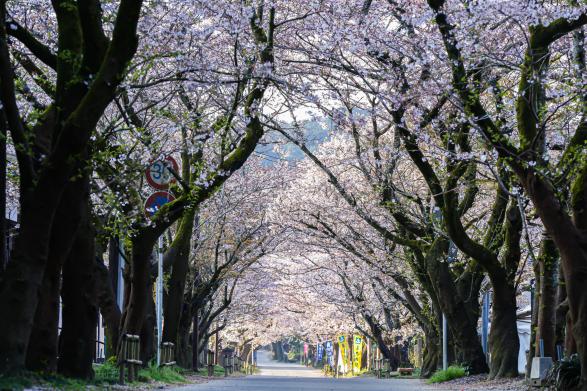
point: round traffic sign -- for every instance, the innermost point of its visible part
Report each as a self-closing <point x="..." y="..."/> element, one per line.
<point x="156" y="201"/>
<point x="158" y="174"/>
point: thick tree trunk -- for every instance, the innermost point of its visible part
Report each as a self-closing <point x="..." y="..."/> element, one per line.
<point x="277" y="351"/>
<point x="42" y="349"/>
<point x="148" y="338"/>
<point x="561" y="309"/>
<point x="140" y="282"/>
<point x="24" y="275"/>
<point x="77" y="343"/>
<point x="432" y="353"/>
<point x="183" y="352"/>
<point x="195" y="339"/>
<point x="377" y="334"/>
<point x="40" y="197"/>
<point x="533" y="320"/>
<point x="462" y="324"/>
<point x="568" y="237"/>
<point x="113" y="259"/>
<point x="180" y="251"/>
<point x="108" y="308"/>
<point x="547" y="299"/>
<point x="570" y="342"/>
<point x="503" y="336"/>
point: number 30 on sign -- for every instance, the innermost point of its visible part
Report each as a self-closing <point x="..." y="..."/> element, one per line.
<point x="159" y="175"/>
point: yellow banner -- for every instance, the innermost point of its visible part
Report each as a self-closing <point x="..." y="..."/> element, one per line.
<point x="343" y="345"/>
<point x="357" y="352"/>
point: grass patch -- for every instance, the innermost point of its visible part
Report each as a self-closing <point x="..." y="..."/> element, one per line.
<point x="218" y="371"/>
<point x="32" y="379"/>
<point x="105" y="374"/>
<point x="452" y="372"/>
<point x="168" y="374"/>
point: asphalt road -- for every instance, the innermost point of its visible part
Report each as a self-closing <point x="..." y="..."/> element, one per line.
<point x="276" y="376"/>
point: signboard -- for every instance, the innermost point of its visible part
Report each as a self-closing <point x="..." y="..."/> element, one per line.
<point x="159" y="175"/>
<point x="344" y="351"/>
<point x="357" y="353"/>
<point x="319" y="352"/>
<point x="306" y="347"/>
<point x="156" y="201"/>
<point x="329" y="352"/>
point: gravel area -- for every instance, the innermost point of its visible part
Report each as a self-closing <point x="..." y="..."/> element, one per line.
<point x="480" y="383"/>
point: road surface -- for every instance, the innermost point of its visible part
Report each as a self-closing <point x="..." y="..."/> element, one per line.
<point x="276" y="376"/>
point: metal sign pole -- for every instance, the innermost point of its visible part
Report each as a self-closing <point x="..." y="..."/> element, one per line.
<point x="485" y="323"/>
<point x="159" y="297"/>
<point x="120" y="277"/>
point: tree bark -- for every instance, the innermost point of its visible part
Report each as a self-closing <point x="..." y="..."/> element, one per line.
<point x="41" y="192"/>
<point x="503" y="336"/>
<point x="180" y="251"/>
<point x="140" y="282"/>
<point x="42" y="349"/>
<point x="432" y="353"/>
<point x="148" y="338"/>
<point x="547" y="262"/>
<point x="183" y="352"/>
<point x="108" y="308"/>
<point x="568" y="238"/>
<point x="561" y="309"/>
<point x="77" y="343"/>
<point x="462" y="324"/>
<point x="195" y="339"/>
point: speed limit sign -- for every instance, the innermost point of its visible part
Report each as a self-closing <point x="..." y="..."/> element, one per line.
<point x="159" y="174"/>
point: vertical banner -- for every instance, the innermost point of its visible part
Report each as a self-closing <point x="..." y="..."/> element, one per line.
<point x="319" y="353"/>
<point x="357" y="352"/>
<point x="344" y="352"/>
<point x="329" y="352"/>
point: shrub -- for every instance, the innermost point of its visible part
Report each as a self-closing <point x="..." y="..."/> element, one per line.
<point x="565" y="374"/>
<point x="218" y="371"/>
<point x="452" y="372"/>
<point x="161" y="374"/>
<point x="107" y="372"/>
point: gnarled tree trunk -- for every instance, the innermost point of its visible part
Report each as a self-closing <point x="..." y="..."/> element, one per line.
<point x="180" y="252"/>
<point x="42" y="349"/>
<point x="77" y="343"/>
<point x="504" y="343"/>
